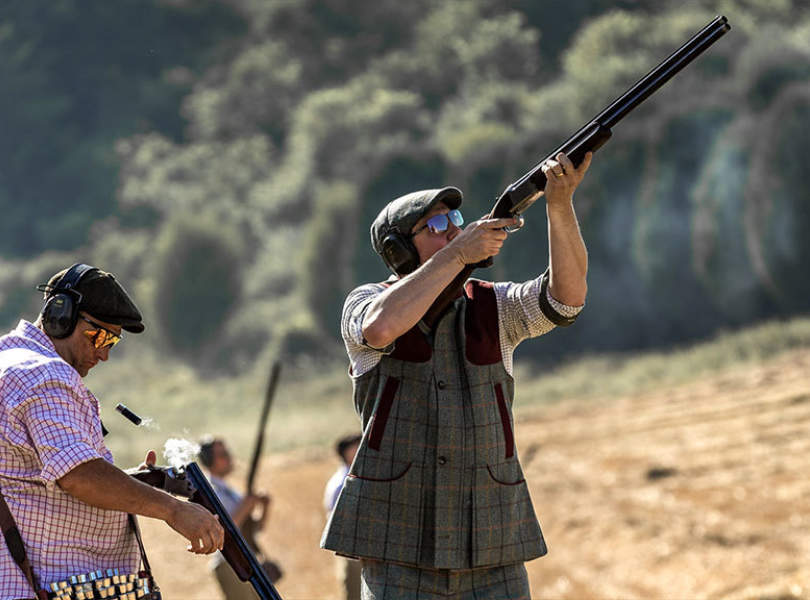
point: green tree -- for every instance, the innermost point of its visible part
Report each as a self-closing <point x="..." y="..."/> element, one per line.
<point x="76" y="76"/>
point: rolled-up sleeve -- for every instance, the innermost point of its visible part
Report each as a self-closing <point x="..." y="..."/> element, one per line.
<point x="57" y="422"/>
<point x="520" y="313"/>
<point x="361" y="356"/>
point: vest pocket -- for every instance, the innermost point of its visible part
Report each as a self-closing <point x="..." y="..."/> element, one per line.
<point x="381" y="414"/>
<point x="382" y="479"/>
<point x="508" y="435"/>
<point x="508" y="473"/>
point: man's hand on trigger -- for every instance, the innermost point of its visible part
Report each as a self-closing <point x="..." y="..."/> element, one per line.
<point x="481" y="239"/>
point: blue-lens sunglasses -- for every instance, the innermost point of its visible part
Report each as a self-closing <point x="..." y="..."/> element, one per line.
<point x="439" y="223"/>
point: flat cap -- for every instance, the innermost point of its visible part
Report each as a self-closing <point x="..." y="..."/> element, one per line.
<point x="104" y="298"/>
<point x="402" y="214"/>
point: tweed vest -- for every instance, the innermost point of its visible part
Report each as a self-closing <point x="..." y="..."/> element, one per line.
<point x="436" y="482"/>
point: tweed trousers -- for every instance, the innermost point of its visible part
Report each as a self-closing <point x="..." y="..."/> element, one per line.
<point x="436" y="482"/>
<point x="387" y="581"/>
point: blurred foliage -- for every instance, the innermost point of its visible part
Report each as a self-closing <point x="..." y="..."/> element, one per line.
<point x="76" y="77"/>
<point x="327" y="257"/>
<point x="198" y="283"/>
<point x="252" y="143"/>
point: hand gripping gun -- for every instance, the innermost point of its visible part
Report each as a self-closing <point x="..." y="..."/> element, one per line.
<point x="521" y="194"/>
<point x="190" y="482"/>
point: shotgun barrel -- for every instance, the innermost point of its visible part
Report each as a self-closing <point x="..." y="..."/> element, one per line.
<point x="525" y="191"/>
<point x="257" y="448"/>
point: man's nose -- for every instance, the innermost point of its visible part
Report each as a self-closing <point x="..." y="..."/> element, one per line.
<point x="103" y="353"/>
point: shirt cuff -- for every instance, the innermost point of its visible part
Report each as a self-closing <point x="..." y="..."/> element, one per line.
<point x="564" y="309"/>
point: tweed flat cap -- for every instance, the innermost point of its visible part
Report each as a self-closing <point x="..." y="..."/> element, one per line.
<point x="404" y="212"/>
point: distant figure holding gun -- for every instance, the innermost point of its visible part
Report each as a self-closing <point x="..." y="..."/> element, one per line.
<point x="64" y="505"/>
<point x="215" y="456"/>
<point x="436" y="504"/>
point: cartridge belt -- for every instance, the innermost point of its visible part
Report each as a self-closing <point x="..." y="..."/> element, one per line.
<point x="109" y="583"/>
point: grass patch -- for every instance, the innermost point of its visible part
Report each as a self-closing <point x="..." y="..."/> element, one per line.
<point x="623" y="374"/>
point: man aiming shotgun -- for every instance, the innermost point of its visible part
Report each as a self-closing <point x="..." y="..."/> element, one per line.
<point x="435" y="503"/>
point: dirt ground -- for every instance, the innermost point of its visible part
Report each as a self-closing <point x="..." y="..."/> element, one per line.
<point x="692" y="491"/>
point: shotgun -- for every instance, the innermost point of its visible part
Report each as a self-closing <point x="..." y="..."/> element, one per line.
<point x="268" y="401"/>
<point x="521" y="194"/>
<point x="190" y="482"/>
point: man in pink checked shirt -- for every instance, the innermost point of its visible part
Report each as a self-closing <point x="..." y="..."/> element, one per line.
<point x="68" y="500"/>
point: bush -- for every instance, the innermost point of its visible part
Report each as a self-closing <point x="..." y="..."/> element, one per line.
<point x="198" y="282"/>
<point x="327" y="254"/>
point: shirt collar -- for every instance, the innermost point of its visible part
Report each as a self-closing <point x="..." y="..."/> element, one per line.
<point x="28" y="330"/>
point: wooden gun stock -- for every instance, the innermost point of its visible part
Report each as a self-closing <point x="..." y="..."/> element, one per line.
<point x="521" y="194"/>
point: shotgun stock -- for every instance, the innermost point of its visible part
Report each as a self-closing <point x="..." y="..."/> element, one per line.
<point x="524" y="192"/>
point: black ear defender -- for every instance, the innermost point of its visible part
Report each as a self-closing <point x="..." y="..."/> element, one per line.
<point x="61" y="310"/>
<point x="399" y="253"/>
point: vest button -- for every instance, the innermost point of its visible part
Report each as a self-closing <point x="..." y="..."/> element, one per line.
<point x="441" y="385"/>
<point x="442" y="460"/>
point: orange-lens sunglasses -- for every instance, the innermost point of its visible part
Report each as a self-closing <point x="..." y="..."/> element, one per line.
<point x="101" y="337"/>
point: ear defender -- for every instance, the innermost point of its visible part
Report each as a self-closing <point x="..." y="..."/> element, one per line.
<point x="399" y="253"/>
<point x="61" y="310"/>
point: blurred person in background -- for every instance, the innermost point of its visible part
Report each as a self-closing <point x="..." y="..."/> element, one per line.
<point x="348" y="569"/>
<point x="216" y="457"/>
<point x="435" y="503"/>
<point x="57" y="478"/>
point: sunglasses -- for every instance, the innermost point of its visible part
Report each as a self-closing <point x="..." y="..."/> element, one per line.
<point x="439" y="223"/>
<point x="101" y="337"/>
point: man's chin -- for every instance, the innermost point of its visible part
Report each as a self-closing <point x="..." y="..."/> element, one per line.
<point x="83" y="370"/>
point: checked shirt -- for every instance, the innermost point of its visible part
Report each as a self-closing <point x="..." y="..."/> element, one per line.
<point x="50" y="424"/>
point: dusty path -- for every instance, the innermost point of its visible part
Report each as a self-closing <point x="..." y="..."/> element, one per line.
<point x="693" y="491"/>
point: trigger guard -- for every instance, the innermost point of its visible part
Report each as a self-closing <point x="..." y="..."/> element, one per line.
<point x="513" y="228"/>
